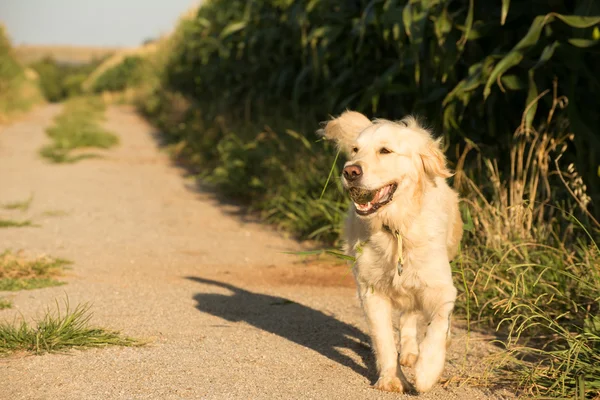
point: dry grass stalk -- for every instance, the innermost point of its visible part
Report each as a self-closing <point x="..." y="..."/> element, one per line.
<point x="518" y="207"/>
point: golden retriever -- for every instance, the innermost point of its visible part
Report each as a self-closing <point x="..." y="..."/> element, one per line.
<point x="403" y="228"/>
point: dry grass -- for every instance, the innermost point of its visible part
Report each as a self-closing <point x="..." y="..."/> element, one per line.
<point x="521" y="206"/>
<point x="18" y="272"/>
<point x="22" y="205"/>
<point x="530" y="266"/>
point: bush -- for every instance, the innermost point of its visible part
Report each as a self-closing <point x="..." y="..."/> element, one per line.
<point x="60" y="81"/>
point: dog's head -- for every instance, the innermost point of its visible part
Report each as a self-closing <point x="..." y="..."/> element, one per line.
<point x="384" y="158"/>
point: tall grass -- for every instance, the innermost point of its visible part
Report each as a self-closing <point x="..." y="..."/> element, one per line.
<point x="531" y="268"/>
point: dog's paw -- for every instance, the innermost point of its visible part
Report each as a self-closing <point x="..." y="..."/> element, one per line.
<point x="389" y="384"/>
<point x="425" y="379"/>
<point x="424" y="385"/>
<point x="408" y="359"/>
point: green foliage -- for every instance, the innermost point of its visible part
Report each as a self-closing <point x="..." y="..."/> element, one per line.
<point x="125" y="74"/>
<point x="61" y="81"/>
<point x="10" y="68"/>
<point x="59" y="330"/>
<point x="239" y="70"/>
<point x="78" y="127"/>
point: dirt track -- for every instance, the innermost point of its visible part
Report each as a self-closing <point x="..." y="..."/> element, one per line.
<point x="228" y="315"/>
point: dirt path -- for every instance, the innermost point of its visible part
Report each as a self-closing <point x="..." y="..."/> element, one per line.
<point x="228" y="315"/>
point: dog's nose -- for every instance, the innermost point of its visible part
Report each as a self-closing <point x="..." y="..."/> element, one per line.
<point x="352" y="172"/>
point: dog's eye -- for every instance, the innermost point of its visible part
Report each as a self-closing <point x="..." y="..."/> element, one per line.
<point x="355" y="149"/>
<point x="383" y="150"/>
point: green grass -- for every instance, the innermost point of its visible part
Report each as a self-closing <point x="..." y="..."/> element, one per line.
<point x="20" y="273"/>
<point x="10" y="223"/>
<point x="22" y="205"/>
<point x="58" y="331"/>
<point x="79" y="126"/>
<point x="4" y="304"/>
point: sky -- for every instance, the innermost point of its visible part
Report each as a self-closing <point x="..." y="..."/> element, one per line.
<point x="112" y="23"/>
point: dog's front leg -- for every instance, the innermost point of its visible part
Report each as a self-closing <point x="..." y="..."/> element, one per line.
<point x="378" y="310"/>
<point x="439" y="303"/>
<point x="409" y="348"/>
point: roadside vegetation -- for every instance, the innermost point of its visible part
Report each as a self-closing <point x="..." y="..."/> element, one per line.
<point x="19" y="90"/>
<point x="60" y="81"/>
<point x="78" y="127"/>
<point x="239" y="89"/>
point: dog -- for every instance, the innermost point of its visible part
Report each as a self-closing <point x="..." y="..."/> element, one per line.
<point x="403" y="228"/>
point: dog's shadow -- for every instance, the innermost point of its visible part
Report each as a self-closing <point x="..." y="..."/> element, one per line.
<point x="300" y="324"/>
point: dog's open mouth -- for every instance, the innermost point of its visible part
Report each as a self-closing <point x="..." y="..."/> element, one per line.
<point x="369" y="201"/>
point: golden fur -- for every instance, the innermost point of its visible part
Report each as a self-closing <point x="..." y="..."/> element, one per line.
<point x="422" y="217"/>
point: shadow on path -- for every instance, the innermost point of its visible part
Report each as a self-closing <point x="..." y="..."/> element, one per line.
<point x="298" y="323"/>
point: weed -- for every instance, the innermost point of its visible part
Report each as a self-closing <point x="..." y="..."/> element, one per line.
<point x="9" y="223"/>
<point x="19" y="205"/>
<point x="78" y="127"/>
<point x="5" y="303"/>
<point x="18" y="272"/>
<point x="59" y="330"/>
<point x="55" y="213"/>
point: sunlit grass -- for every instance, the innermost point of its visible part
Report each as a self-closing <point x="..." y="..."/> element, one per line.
<point x="59" y="330"/>
<point x="18" y="272"/>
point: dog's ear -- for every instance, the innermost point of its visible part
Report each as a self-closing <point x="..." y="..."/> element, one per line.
<point x="434" y="161"/>
<point x="345" y="129"/>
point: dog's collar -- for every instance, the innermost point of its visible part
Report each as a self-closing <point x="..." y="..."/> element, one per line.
<point x="396" y="234"/>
